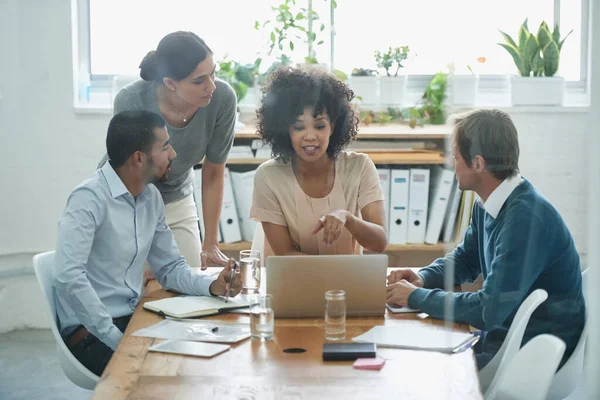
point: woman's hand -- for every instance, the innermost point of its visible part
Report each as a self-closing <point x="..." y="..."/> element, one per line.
<point x="211" y="254"/>
<point x="332" y="225"/>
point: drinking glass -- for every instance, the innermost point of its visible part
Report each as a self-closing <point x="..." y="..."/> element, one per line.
<point x="262" y="317"/>
<point x="250" y="270"/>
<point x="335" y="315"/>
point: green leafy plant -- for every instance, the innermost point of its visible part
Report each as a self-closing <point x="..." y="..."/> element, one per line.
<point x="537" y="55"/>
<point x="239" y="76"/>
<point x="290" y="25"/>
<point x="391" y="57"/>
<point x="431" y="109"/>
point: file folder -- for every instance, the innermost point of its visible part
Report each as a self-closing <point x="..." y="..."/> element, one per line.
<point x="398" y="220"/>
<point x="452" y="214"/>
<point x="384" y="180"/>
<point x="229" y="222"/>
<point x="418" y="203"/>
<point x="443" y="181"/>
<point x="243" y="185"/>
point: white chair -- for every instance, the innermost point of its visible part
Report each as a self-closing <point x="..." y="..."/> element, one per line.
<point x="43" y="265"/>
<point x="514" y="338"/>
<point x="567" y="378"/>
<point x="528" y="375"/>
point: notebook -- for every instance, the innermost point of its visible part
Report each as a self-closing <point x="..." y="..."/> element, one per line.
<point x="189" y="348"/>
<point x="193" y="306"/>
<point x="418" y="336"/>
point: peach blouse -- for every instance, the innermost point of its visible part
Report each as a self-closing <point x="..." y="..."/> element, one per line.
<point x="279" y="199"/>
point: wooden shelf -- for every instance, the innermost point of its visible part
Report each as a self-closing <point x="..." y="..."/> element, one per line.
<point x="376" y="131"/>
<point x="397" y="248"/>
<point x="393" y="158"/>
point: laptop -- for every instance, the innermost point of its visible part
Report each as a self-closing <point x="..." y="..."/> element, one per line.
<point x="298" y="284"/>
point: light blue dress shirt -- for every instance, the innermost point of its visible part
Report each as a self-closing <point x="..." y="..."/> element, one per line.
<point x="104" y="237"/>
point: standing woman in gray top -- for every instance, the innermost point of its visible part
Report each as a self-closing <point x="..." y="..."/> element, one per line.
<point x="178" y="82"/>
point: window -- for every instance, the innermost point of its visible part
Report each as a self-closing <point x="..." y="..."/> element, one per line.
<point x="441" y="32"/>
<point x="115" y="35"/>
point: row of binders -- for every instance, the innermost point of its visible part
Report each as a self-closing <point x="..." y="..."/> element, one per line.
<point x="234" y="224"/>
<point x="423" y="206"/>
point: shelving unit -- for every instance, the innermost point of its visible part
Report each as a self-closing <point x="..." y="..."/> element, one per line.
<point x="411" y="255"/>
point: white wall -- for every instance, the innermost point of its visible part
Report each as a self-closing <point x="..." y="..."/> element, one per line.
<point x="47" y="149"/>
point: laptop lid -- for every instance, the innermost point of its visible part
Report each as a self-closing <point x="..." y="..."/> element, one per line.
<point x="298" y="284"/>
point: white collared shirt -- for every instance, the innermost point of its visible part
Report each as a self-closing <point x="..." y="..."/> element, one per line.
<point x="104" y="237"/>
<point x="494" y="203"/>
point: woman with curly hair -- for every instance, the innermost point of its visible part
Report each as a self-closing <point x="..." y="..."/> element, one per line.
<point x="314" y="197"/>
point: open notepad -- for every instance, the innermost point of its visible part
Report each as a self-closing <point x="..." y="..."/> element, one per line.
<point x="418" y="336"/>
<point x="193" y="306"/>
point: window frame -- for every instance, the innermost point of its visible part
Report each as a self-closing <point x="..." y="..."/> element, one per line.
<point x="491" y="87"/>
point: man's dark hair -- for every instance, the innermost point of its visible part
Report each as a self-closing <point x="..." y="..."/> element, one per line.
<point x="288" y="91"/>
<point x="131" y="131"/>
<point x="491" y="134"/>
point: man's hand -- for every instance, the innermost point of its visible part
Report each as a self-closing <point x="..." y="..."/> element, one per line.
<point x="406" y="274"/>
<point x="332" y="225"/>
<point x="212" y="255"/>
<point x="219" y="286"/>
<point x="397" y="293"/>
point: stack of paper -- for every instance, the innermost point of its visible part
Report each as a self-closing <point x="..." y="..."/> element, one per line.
<point x="418" y="336"/>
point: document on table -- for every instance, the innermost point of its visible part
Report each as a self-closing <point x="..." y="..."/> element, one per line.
<point x="200" y="331"/>
<point x="418" y="336"/>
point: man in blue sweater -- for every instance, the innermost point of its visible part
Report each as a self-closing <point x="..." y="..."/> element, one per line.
<point x="517" y="241"/>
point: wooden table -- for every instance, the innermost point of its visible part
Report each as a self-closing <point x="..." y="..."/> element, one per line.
<point x="261" y="370"/>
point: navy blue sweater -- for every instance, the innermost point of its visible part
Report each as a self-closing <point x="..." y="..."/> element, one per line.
<point x="527" y="247"/>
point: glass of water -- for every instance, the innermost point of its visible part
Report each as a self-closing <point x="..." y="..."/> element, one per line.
<point x="250" y="270"/>
<point x="335" y="315"/>
<point x="262" y="317"/>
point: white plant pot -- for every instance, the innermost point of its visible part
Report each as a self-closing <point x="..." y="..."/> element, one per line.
<point x="366" y="88"/>
<point x="537" y="91"/>
<point x="391" y="89"/>
<point x="463" y="89"/>
<point x="251" y="97"/>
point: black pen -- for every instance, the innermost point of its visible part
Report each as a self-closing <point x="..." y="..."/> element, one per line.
<point x="230" y="281"/>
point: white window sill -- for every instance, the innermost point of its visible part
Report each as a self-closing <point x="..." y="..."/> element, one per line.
<point x="576" y="101"/>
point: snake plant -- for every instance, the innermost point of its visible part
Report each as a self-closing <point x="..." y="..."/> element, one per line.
<point x="536" y="55"/>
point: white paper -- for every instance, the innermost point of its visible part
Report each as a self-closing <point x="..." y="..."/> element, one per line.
<point x="189" y="348"/>
<point x="201" y="331"/>
<point x="415" y="335"/>
<point x="401" y="310"/>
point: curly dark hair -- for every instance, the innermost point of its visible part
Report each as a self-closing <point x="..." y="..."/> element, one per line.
<point x="288" y="91"/>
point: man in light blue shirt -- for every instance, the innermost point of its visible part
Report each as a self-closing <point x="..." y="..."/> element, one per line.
<point x="113" y="222"/>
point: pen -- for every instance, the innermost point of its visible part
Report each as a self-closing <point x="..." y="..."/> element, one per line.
<point x="230" y="281"/>
<point x="467" y="345"/>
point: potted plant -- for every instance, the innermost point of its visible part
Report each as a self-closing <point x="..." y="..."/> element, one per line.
<point x="464" y="86"/>
<point x="248" y="74"/>
<point x="537" y="58"/>
<point x="364" y="84"/>
<point x="391" y="87"/>
<point x="431" y="109"/>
